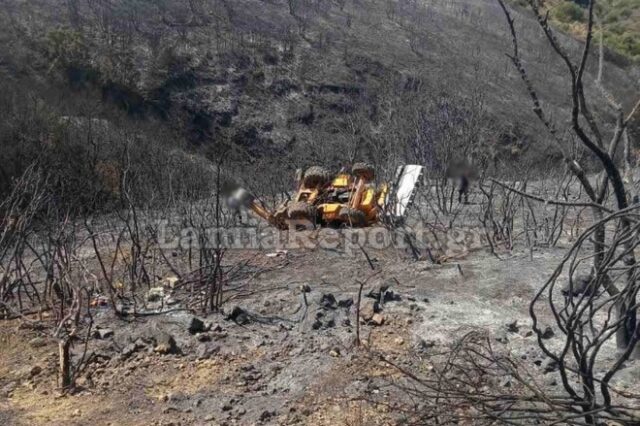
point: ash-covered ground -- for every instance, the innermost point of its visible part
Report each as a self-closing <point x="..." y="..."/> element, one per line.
<point x="283" y="350"/>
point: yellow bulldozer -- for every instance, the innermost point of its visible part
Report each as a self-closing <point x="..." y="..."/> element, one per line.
<point x="345" y="199"/>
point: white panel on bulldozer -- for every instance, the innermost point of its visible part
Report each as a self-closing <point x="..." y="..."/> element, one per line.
<point x="407" y="179"/>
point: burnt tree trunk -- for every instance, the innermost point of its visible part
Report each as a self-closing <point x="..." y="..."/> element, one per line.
<point x="64" y="346"/>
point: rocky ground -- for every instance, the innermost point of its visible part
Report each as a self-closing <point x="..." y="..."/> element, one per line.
<point x="283" y="351"/>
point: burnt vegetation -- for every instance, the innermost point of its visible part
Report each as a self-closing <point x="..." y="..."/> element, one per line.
<point x="124" y="122"/>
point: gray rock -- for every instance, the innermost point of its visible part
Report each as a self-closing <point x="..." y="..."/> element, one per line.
<point x="196" y="325"/>
<point x="384" y="294"/>
<point x="345" y="303"/>
<point x="548" y="333"/>
<point x="164" y="343"/>
<point x="377" y="319"/>
<point x="582" y="283"/>
<point x="203" y="337"/>
<point x="305" y="288"/>
<point x="368" y="309"/>
<point x="391" y="296"/>
<point x="238" y="315"/>
<point x="129" y="350"/>
<point x="328" y="301"/>
<point x="207" y="350"/>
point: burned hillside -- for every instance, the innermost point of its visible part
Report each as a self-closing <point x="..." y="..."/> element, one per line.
<point x="298" y="79"/>
<point x="319" y="212"/>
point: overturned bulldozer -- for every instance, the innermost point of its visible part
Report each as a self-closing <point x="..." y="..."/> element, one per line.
<point x="345" y="199"/>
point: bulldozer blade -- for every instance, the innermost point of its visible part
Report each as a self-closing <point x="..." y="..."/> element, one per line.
<point x="403" y="190"/>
